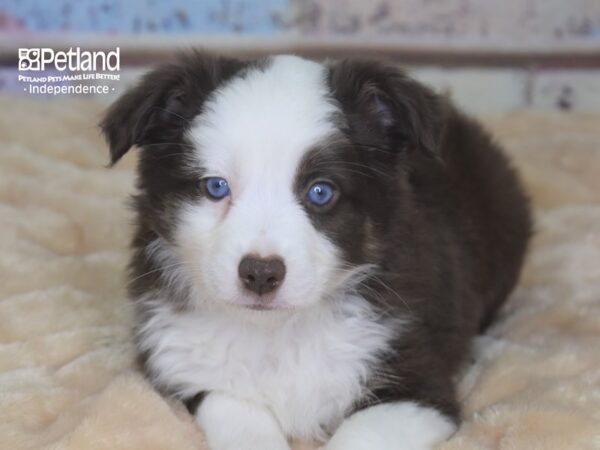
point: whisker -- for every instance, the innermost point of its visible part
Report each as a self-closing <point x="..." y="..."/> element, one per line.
<point x="172" y="113"/>
<point x="180" y="144"/>
<point x="169" y="155"/>
<point x="368" y="168"/>
<point x="376" y="279"/>
<point x="344" y="169"/>
<point x="158" y="269"/>
<point x="357" y="278"/>
<point x="341" y="165"/>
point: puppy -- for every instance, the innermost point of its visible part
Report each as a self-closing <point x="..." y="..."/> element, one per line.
<point x="316" y="244"/>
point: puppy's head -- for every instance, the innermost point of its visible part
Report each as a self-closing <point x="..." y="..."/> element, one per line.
<point x="266" y="184"/>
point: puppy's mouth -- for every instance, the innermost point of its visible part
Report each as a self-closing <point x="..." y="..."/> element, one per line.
<point x="265" y="306"/>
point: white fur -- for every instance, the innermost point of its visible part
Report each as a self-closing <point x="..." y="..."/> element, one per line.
<point x="233" y="424"/>
<point x="392" y="426"/>
<point x="305" y="363"/>
<point x="254" y="132"/>
<point x="305" y="366"/>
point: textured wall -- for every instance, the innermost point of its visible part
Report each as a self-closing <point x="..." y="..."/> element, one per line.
<point x="495" y="21"/>
<point x="142" y="16"/>
<point x="571" y="27"/>
<point x="477" y="20"/>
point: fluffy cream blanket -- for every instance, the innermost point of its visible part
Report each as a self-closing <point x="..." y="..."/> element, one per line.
<point x="67" y="378"/>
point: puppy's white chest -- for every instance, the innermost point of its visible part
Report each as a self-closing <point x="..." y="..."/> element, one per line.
<point x="308" y="370"/>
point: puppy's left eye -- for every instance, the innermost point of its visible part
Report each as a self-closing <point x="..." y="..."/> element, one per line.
<point x="321" y="193"/>
<point x="217" y="188"/>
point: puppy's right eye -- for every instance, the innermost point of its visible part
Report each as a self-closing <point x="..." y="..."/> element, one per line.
<point x="216" y="188"/>
<point x="321" y="194"/>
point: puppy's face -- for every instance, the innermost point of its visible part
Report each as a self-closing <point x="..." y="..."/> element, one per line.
<point x="267" y="185"/>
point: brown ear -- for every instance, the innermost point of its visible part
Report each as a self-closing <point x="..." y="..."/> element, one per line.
<point x="380" y="98"/>
<point x="162" y="105"/>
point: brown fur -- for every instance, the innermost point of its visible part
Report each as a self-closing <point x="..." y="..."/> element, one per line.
<point x="427" y="197"/>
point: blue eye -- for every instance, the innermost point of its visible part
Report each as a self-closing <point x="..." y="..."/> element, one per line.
<point x="321" y="193"/>
<point x="217" y="188"/>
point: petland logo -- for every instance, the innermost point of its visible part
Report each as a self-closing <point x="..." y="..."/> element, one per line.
<point x="75" y="60"/>
<point x="46" y="71"/>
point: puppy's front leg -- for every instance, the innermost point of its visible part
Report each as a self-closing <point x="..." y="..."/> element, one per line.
<point x="392" y="426"/>
<point x="233" y="424"/>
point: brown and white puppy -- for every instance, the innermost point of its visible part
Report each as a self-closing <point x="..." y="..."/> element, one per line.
<point x="316" y="244"/>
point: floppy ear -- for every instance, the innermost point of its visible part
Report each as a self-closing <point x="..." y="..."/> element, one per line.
<point x="384" y="104"/>
<point x="162" y="105"/>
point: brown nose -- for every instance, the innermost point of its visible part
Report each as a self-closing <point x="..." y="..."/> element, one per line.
<point x="261" y="275"/>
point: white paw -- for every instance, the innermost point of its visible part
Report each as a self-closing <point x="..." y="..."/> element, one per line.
<point x="234" y="424"/>
<point x="392" y="426"/>
<point x="255" y="444"/>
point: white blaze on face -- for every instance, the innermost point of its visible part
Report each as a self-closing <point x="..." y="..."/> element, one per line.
<point x="254" y="133"/>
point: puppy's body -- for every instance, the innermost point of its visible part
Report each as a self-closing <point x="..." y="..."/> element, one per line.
<point x="359" y="332"/>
